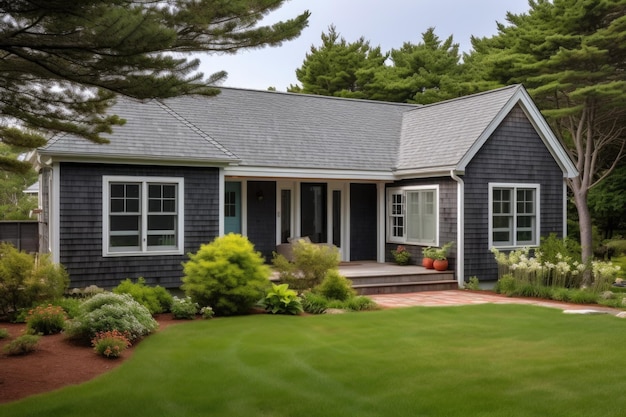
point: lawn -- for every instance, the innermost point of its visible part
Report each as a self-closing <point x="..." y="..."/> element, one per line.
<point x="487" y="360"/>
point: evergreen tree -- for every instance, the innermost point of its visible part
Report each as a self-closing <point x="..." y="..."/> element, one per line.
<point x="63" y="62"/>
<point x="331" y="69"/>
<point x="570" y="55"/>
<point x="423" y="73"/>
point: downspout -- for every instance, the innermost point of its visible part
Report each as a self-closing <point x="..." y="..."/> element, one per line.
<point x="460" y="229"/>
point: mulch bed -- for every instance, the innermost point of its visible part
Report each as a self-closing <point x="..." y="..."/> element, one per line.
<point x="54" y="364"/>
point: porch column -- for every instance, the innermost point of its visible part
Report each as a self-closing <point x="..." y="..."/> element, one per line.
<point x="380" y="235"/>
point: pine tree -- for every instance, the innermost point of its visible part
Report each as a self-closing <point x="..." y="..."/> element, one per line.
<point x="63" y="62"/>
<point x="332" y="69"/>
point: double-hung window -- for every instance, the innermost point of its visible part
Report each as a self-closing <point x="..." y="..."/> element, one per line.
<point x="513" y="215"/>
<point x="142" y="215"/>
<point x="412" y="215"/>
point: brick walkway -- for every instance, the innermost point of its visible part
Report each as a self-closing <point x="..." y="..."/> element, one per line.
<point x="464" y="297"/>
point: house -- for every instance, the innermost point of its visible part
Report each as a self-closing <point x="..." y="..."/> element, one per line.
<point x="483" y="170"/>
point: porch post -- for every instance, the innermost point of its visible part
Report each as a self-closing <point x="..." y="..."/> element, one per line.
<point x="380" y="234"/>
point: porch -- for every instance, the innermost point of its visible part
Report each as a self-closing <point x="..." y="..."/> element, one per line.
<point x="378" y="278"/>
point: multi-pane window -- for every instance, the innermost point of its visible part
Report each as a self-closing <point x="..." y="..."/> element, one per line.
<point x="230" y="204"/>
<point x="412" y="215"/>
<point x="514" y="215"/>
<point x="142" y="215"/>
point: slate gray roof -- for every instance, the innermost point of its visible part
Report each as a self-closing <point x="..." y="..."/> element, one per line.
<point x="151" y="132"/>
<point x="264" y="129"/>
<point x="439" y="135"/>
<point x="285" y="130"/>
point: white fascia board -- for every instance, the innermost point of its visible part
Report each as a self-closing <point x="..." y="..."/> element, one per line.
<point x="127" y="160"/>
<point x="327" y="174"/>
<point x="426" y="172"/>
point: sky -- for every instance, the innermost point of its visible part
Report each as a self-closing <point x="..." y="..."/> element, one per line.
<point x="384" y="23"/>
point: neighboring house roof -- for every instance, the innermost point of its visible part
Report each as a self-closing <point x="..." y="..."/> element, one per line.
<point x="33" y="189"/>
<point x="268" y="133"/>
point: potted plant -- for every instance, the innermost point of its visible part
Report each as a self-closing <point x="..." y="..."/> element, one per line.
<point x="428" y="257"/>
<point x="401" y="255"/>
<point x="440" y="256"/>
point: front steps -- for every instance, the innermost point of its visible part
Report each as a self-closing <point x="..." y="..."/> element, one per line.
<point x="374" y="278"/>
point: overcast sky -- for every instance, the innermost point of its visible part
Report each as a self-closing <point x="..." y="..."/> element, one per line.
<point x="384" y="23"/>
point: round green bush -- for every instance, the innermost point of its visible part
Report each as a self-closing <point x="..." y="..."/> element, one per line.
<point x="108" y="311"/>
<point x="226" y="274"/>
<point x="156" y="299"/>
<point x="335" y="286"/>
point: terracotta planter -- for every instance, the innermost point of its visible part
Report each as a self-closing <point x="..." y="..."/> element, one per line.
<point x="428" y="263"/>
<point x="440" y="264"/>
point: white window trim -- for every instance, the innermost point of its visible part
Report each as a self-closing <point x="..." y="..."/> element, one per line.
<point x="403" y="190"/>
<point x="515" y="186"/>
<point x="180" y="199"/>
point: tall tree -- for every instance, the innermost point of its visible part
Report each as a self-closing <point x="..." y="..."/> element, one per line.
<point x="331" y="69"/>
<point x="570" y="54"/>
<point x="63" y="62"/>
<point x="423" y="73"/>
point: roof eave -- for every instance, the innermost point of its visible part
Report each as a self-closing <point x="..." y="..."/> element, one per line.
<point x="48" y="157"/>
<point x="308" y="173"/>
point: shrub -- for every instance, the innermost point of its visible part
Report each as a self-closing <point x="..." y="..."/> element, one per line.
<point x="109" y="311"/>
<point x="46" y="319"/>
<point x="71" y="306"/>
<point x="361" y="303"/>
<point x="184" y="308"/>
<point x="336" y="287"/>
<point x="22" y="345"/>
<point x="583" y="297"/>
<point x="226" y="274"/>
<point x="505" y="285"/>
<point x="310" y="265"/>
<point x="314" y="303"/>
<point x="560" y="294"/>
<point x="26" y="279"/>
<point x="4" y="333"/>
<point x="281" y="300"/>
<point x="473" y="283"/>
<point x="207" y="312"/>
<point x="111" y="343"/>
<point x="155" y="299"/>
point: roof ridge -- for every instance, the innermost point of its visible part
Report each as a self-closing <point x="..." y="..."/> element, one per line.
<point x="472" y="96"/>
<point x="196" y="129"/>
<point x="322" y="97"/>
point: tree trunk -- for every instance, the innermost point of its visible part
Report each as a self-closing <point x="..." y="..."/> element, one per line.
<point x="586" y="231"/>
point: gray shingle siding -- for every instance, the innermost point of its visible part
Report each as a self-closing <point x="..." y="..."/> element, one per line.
<point x="81" y="224"/>
<point x="514" y="153"/>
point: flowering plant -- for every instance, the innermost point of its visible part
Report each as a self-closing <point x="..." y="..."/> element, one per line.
<point x="110" y="343"/>
<point x="401" y="255"/>
<point x="46" y="319"/>
<point x="207" y="312"/>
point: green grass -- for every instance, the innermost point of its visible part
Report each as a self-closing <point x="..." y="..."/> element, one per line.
<point x="488" y="360"/>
